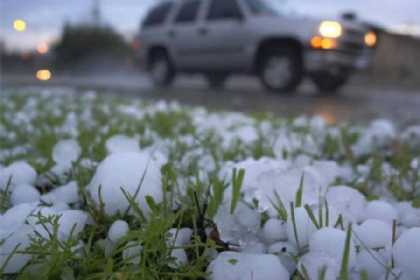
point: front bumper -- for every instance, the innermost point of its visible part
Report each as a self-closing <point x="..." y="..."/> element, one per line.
<point x="335" y="60"/>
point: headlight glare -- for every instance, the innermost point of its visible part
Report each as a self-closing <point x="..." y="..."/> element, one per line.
<point x="371" y="39"/>
<point x="330" y="29"/>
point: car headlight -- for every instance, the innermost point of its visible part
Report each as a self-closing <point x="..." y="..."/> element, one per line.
<point x="371" y="39"/>
<point x="330" y="29"/>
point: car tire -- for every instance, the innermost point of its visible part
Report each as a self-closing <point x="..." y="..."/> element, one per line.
<point x="280" y="69"/>
<point x="328" y="83"/>
<point x="161" y="70"/>
<point x="216" y="80"/>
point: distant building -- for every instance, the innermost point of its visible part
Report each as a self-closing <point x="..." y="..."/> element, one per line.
<point x="397" y="58"/>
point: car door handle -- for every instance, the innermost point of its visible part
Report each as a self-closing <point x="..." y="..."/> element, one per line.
<point x="171" y="33"/>
<point x="203" y="31"/>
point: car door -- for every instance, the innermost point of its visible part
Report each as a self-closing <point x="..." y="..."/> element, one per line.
<point x="223" y="35"/>
<point x="183" y="35"/>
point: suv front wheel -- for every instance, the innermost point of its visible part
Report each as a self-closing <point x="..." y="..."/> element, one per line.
<point x="280" y="69"/>
<point x="161" y="69"/>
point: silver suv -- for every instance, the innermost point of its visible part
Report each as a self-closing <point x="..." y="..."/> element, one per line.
<point x="218" y="38"/>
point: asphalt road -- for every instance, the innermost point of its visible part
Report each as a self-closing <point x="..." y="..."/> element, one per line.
<point x="357" y="102"/>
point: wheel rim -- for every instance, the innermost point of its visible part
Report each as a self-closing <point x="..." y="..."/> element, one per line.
<point x="159" y="71"/>
<point x="277" y="71"/>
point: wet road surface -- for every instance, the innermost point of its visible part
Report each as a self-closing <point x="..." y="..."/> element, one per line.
<point x="357" y="102"/>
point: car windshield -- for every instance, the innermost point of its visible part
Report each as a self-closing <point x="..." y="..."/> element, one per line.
<point x="268" y="7"/>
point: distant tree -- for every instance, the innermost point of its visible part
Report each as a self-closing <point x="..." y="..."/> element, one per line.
<point x="85" y="43"/>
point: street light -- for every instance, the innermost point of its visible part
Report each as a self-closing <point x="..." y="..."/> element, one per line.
<point x="19" y="25"/>
<point x="43" y="75"/>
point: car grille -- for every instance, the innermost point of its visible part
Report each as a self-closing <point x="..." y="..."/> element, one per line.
<point x="352" y="42"/>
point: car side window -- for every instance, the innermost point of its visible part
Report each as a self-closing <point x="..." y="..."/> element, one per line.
<point x="224" y="9"/>
<point x="158" y="14"/>
<point x="188" y="11"/>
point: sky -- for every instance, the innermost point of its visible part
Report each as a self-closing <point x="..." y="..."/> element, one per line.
<point x="45" y="17"/>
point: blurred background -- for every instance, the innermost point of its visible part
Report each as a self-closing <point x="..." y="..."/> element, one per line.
<point x="92" y="44"/>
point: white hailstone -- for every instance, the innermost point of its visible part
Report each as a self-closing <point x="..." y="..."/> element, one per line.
<point x="20" y="238"/>
<point x="285" y="145"/>
<point x="283" y="248"/>
<point x="318" y="126"/>
<point x="254" y="247"/>
<point x="302" y="160"/>
<point x="118" y="230"/>
<point x="383" y="130"/>
<point x="328" y="171"/>
<point x="373" y="234"/>
<point x="379" y="134"/>
<point x="411" y="136"/>
<point x="35" y="219"/>
<point x="40" y="211"/>
<point x="65" y="152"/>
<point x="247" y="134"/>
<point x="61" y="170"/>
<point x="347" y="201"/>
<point x="19" y="172"/>
<point x="408" y="215"/>
<point x="247" y="217"/>
<point x="234" y="266"/>
<point x="274" y="230"/>
<point x="241" y="226"/>
<point x="304" y="228"/>
<point x="132" y="252"/>
<point x="315" y="262"/>
<point x="72" y="223"/>
<point x="59" y="206"/>
<point x="286" y="184"/>
<point x="380" y="210"/>
<point x="122" y="144"/>
<point x="179" y="237"/>
<point x="125" y="171"/>
<point x="331" y="242"/>
<point x="16" y="216"/>
<point x="180" y="258"/>
<point x="286" y="253"/>
<point x="374" y="263"/>
<point x="346" y="172"/>
<point x="254" y="169"/>
<point x="24" y="194"/>
<point x="68" y="193"/>
<point x="415" y="164"/>
<point x="407" y="253"/>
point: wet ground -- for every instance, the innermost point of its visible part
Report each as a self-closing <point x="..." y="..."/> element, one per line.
<point x="357" y="102"/>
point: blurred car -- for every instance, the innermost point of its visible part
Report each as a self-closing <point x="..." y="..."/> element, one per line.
<point x="219" y="38"/>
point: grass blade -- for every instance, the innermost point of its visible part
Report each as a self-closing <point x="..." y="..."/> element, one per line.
<point x="344" y="272"/>
<point x="312" y="216"/>
<point x="292" y="213"/>
<point x="237" y="181"/>
<point x="299" y="193"/>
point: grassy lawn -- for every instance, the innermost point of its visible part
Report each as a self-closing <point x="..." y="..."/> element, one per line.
<point x="106" y="187"/>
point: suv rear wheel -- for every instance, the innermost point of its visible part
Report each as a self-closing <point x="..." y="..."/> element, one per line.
<point x="216" y="80"/>
<point x="328" y="83"/>
<point x="280" y="69"/>
<point x="161" y="69"/>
